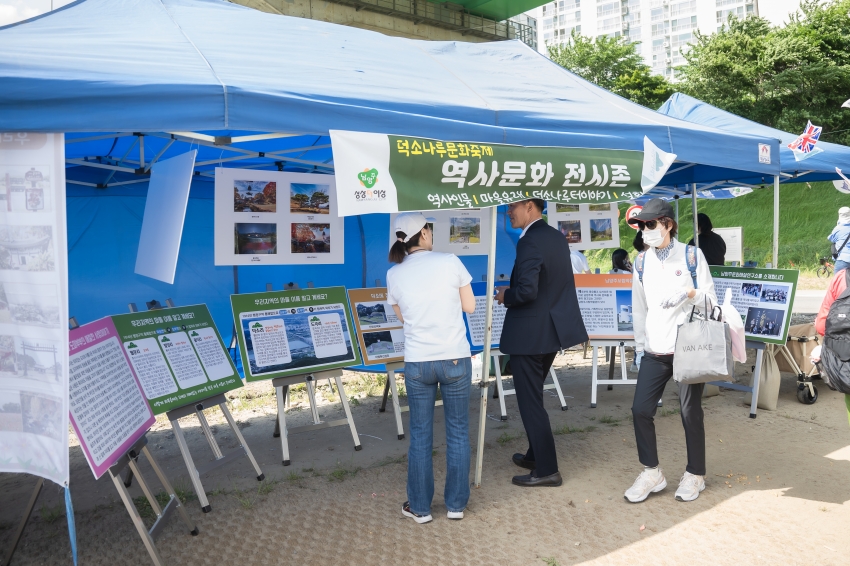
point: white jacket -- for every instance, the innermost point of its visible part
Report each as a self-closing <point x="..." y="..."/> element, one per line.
<point x="655" y="328"/>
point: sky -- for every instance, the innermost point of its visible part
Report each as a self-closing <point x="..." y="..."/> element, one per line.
<point x="775" y="11"/>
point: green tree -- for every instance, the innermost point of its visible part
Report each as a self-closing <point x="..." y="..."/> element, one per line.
<point x="614" y="65"/>
<point x="780" y="77"/>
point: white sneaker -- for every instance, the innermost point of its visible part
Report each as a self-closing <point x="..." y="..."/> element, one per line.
<point x="690" y="487"/>
<point x="649" y="481"/>
<point x="455" y="515"/>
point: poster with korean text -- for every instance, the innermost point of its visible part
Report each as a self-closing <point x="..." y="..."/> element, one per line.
<point x="605" y="302"/>
<point x="379" y="331"/>
<point x="283" y="333"/>
<point x="177" y="355"/>
<point x="475" y="322"/>
<point x="108" y="408"/>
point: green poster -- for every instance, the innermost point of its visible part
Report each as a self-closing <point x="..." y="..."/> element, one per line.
<point x="284" y="333"/>
<point x="178" y="355"/>
<point x="763" y="297"/>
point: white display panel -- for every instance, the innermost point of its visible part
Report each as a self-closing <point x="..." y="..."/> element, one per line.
<point x="586" y="226"/>
<point x="460" y="232"/>
<point x="734" y="239"/>
<point x="276" y="218"/>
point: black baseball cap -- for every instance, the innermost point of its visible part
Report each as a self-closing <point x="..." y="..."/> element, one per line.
<point x="653" y="210"/>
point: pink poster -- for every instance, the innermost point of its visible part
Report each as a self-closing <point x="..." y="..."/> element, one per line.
<point x="108" y="409"/>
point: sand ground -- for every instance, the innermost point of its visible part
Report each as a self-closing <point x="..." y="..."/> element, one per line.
<point x="778" y="490"/>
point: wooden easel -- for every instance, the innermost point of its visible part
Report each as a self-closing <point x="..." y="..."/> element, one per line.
<point x="198" y="408"/>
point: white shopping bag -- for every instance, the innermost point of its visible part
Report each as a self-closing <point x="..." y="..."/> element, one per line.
<point x="736" y="328"/>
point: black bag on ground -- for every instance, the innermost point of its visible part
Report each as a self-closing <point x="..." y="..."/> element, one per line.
<point x="835" y="354"/>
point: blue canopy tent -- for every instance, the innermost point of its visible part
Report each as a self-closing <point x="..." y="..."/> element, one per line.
<point x="131" y="82"/>
<point x="819" y="167"/>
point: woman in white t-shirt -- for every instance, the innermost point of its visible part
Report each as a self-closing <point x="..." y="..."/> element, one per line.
<point x="429" y="292"/>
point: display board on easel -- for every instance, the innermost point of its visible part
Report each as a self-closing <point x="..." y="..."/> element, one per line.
<point x="734" y="240"/>
<point x="475" y="322"/>
<point x="459" y="232"/>
<point x="379" y="332"/>
<point x="605" y="302"/>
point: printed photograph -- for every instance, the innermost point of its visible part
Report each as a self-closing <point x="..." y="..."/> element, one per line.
<point x="465" y="230"/>
<point x="371" y="313"/>
<point x="378" y="343"/>
<point x="254" y="196"/>
<point x="42" y="415"/>
<point x="764" y="322"/>
<point x="11" y="419"/>
<point x="624" y="310"/>
<point x="26" y="248"/>
<point x="29" y="359"/>
<point x="255" y="239"/>
<point x="307" y="198"/>
<point x="33" y="304"/>
<point x="775" y="294"/>
<point x="311" y="238"/>
<point x="22" y="188"/>
<point x="566" y="207"/>
<point x="599" y="207"/>
<point x="601" y="230"/>
<point x="571" y="229"/>
<point x="301" y="348"/>
<point x="751" y="290"/>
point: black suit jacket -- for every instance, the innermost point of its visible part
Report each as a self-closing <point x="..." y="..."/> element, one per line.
<point x="543" y="314"/>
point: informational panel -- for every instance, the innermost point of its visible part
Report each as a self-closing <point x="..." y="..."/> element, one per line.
<point x="606" y="305"/>
<point x="33" y="306"/>
<point x="763" y="297"/>
<point x="270" y="217"/>
<point x="165" y="211"/>
<point x="109" y="411"/>
<point x="459" y="232"/>
<point x="177" y="355"/>
<point x="283" y="333"/>
<point x="475" y="322"/>
<point x="734" y="239"/>
<point x="586" y="226"/>
<point x="379" y="331"/>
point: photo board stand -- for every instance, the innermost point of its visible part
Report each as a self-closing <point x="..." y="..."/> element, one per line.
<point x="612" y="347"/>
<point x="390" y="386"/>
<point x="198" y="408"/>
<point x="281" y="386"/>
<point x="16" y="538"/>
<point x="501" y="392"/>
<point x="759" y="347"/>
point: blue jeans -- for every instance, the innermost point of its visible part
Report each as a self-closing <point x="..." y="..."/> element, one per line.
<point x="841" y="264"/>
<point x="421" y="379"/>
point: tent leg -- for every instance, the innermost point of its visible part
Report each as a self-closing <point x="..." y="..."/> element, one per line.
<point x="694" y="208"/>
<point x="488" y="331"/>
<point x="775" y="222"/>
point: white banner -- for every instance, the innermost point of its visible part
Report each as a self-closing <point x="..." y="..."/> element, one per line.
<point x="33" y="306"/>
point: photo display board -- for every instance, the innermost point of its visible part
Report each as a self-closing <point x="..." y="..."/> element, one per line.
<point x="379" y="331"/>
<point x="734" y="240"/>
<point x="459" y="232"/>
<point x="108" y="408"/>
<point x="763" y="297"/>
<point x="276" y="218"/>
<point x="586" y="226"/>
<point x="605" y="302"/>
<point x="177" y="355"/>
<point x="297" y="332"/>
<point x="475" y="322"/>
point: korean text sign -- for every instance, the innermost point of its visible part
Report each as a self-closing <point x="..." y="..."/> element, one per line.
<point x="605" y="302"/>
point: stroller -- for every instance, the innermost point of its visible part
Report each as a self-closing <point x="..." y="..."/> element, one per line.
<point x="793" y="357"/>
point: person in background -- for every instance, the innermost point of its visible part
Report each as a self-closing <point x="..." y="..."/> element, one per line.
<point x="579" y="262"/>
<point x="836" y="288"/>
<point x="620" y="262"/>
<point x="638" y="244"/>
<point x="838" y="235"/>
<point x="711" y="244"/>
<point x="429" y="292"/>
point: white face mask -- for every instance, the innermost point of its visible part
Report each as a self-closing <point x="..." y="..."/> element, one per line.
<point x="653" y="238"/>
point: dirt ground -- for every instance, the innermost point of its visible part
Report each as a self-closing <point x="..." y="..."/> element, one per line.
<point x="778" y="489"/>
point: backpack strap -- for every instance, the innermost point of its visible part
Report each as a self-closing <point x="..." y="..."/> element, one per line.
<point x="691" y="257"/>
<point x="639" y="265"/>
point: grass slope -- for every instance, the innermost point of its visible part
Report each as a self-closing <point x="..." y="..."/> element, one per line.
<point x="807" y="215"/>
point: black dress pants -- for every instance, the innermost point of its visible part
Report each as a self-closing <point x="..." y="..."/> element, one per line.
<point x="655" y="371"/>
<point x="529" y="374"/>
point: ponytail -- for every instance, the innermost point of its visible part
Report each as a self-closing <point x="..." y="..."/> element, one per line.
<point x="400" y="249"/>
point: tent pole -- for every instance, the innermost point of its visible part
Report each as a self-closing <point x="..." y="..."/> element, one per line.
<point x="488" y="332"/>
<point x="776" y="222"/>
<point x="694" y="208"/>
<point x="676" y="199"/>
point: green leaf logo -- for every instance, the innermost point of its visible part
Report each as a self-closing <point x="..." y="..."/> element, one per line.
<point x="315" y="319"/>
<point x="368" y="177"/>
<point x="195" y="334"/>
<point x="257" y="325"/>
<point x="165" y="339"/>
<point x="132" y="345"/>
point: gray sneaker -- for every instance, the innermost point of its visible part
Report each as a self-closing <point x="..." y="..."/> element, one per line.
<point x="649" y="481"/>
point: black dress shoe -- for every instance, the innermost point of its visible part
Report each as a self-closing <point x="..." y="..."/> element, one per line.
<point x="519" y="460"/>
<point x="531" y="480"/>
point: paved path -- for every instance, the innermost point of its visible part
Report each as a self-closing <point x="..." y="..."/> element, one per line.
<point x="808" y="301"/>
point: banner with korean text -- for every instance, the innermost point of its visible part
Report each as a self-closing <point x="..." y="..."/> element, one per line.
<point x="384" y="173"/>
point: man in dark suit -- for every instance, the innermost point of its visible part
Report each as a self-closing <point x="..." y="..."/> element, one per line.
<point x="543" y="317"/>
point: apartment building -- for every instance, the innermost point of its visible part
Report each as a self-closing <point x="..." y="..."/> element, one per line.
<point x="663" y="28"/>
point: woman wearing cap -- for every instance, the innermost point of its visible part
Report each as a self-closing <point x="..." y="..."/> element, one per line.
<point x="429" y="292"/>
<point x="838" y="236"/>
<point x="659" y="304"/>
